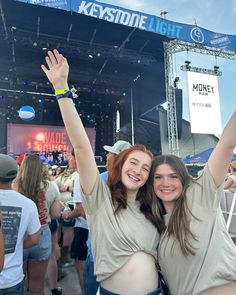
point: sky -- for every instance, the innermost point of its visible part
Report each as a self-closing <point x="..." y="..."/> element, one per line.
<point x="213" y="15"/>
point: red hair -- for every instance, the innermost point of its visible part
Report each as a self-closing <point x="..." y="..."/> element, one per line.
<point x="118" y="190"/>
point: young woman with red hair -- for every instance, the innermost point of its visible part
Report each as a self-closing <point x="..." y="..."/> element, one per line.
<point x="120" y="215"/>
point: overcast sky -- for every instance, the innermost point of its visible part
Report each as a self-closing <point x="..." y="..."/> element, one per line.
<point x="214" y="15"/>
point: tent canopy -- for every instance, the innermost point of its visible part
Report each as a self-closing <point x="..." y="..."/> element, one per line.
<point x="202" y="157"/>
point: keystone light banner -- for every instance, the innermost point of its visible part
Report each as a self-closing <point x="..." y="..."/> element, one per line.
<point x="143" y="21"/>
<point x="204" y="103"/>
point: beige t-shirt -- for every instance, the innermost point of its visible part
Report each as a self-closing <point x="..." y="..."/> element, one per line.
<point x="116" y="237"/>
<point x="215" y="260"/>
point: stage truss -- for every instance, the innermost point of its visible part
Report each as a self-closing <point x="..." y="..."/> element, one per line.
<point x="170" y="48"/>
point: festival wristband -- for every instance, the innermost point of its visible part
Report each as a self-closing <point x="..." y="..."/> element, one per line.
<point x="67" y="94"/>
<point x="61" y="91"/>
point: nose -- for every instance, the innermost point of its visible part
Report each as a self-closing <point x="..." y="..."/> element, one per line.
<point x="165" y="181"/>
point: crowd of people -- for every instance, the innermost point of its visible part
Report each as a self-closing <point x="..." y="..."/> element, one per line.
<point x="145" y="226"/>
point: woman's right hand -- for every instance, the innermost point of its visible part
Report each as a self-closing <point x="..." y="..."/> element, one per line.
<point x="57" y="71"/>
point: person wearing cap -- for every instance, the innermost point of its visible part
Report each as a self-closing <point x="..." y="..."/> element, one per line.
<point x="114" y="150"/>
<point x="124" y="227"/>
<point x="21" y="227"/>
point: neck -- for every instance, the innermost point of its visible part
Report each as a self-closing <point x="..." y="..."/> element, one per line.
<point x="5" y="185"/>
<point x="169" y="207"/>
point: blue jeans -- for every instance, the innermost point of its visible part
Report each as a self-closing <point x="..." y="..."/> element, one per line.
<point x="15" y="290"/>
<point x="90" y="283"/>
<point x="103" y="291"/>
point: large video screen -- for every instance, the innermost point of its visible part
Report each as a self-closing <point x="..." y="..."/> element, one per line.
<point x="22" y="138"/>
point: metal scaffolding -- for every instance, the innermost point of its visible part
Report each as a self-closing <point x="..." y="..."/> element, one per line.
<point x="175" y="46"/>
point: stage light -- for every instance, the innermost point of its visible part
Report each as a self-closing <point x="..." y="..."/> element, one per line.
<point x="124" y="93"/>
<point x="40" y="100"/>
<point x="176" y="81"/>
<point x="90" y="56"/>
<point x="187" y="64"/>
<point x="216" y="69"/>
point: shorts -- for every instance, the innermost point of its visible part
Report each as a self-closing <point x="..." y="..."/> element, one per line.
<point x="79" y="247"/>
<point x="66" y="222"/>
<point x="53" y="226"/>
<point x="41" y="251"/>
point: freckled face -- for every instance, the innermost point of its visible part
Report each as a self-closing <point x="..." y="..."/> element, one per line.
<point x="167" y="185"/>
<point x="135" y="171"/>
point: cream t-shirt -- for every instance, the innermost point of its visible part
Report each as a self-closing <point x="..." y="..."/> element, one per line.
<point x="116" y="237"/>
<point x="215" y="260"/>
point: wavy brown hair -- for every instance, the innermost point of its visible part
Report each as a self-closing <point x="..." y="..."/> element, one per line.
<point x="178" y="225"/>
<point x="144" y="195"/>
<point x="32" y="178"/>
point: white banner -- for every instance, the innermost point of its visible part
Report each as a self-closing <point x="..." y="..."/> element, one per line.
<point x="204" y="103"/>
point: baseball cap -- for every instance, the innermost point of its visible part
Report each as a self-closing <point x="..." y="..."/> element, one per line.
<point x="8" y="168"/>
<point x="118" y="147"/>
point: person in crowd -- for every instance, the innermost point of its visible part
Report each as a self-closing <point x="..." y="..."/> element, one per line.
<point x="32" y="181"/>
<point x="121" y="217"/>
<point x="65" y="184"/>
<point x="230" y="182"/>
<point x="90" y="283"/>
<point x="78" y="246"/>
<point x="1" y="245"/>
<point x="52" y="269"/>
<point x="117" y="148"/>
<point x="20" y="226"/>
<point x="196" y="253"/>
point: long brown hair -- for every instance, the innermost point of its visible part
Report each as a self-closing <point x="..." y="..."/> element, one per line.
<point x="32" y="178"/>
<point x="118" y="190"/>
<point x="178" y="225"/>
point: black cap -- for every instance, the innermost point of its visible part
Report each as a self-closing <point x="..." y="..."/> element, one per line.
<point x="8" y="168"/>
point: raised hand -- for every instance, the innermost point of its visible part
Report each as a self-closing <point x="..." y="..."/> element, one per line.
<point x="58" y="69"/>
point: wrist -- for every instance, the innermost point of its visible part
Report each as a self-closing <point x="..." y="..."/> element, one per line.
<point x="61" y="86"/>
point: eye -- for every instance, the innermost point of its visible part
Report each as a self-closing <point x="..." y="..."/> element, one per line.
<point x="146" y="169"/>
<point x="174" y="176"/>
<point x="133" y="162"/>
<point x="157" y="177"/>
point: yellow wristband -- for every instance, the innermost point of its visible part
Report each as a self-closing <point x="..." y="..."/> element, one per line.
<point x="60" y="91"/>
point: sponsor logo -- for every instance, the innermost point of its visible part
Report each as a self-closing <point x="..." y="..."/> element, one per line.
<point x="197" y="35"/>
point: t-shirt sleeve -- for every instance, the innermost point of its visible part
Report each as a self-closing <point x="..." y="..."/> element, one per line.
<point x="33" y="224"/>
<point x="205" y="190"/>
<point x="96" y="198"/>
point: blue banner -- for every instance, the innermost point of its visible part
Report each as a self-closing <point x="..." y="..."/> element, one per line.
<point x="143" y="21"/>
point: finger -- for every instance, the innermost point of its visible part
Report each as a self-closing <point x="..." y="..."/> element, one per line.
<point x="48" y="61"/>
<point x="52" y="57"/>
<point x="44" y="69"/>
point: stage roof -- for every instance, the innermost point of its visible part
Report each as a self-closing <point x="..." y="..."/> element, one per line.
<point x="105" y="58"/>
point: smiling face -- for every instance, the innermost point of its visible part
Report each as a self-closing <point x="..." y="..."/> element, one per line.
<point x="167" y="186"/>
<point x="135" y="172"/>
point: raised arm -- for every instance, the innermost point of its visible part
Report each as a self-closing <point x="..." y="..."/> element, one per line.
<point x="57" y="74"/>
<point x="222" y="155"/>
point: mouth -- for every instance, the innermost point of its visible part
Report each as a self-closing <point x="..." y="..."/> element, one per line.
<point x="133" y="178"/>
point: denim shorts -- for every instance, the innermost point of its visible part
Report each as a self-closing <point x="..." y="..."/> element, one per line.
<point x="15" y="290"/>
<point x="41" y="251"/>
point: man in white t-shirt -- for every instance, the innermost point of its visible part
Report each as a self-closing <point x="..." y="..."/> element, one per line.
<point x="21" y="228"/>
<point x="78" y="246"/>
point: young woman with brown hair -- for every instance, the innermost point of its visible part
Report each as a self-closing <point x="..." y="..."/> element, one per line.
<point x="196" y="254"/>
<point x="124" y="238"/>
